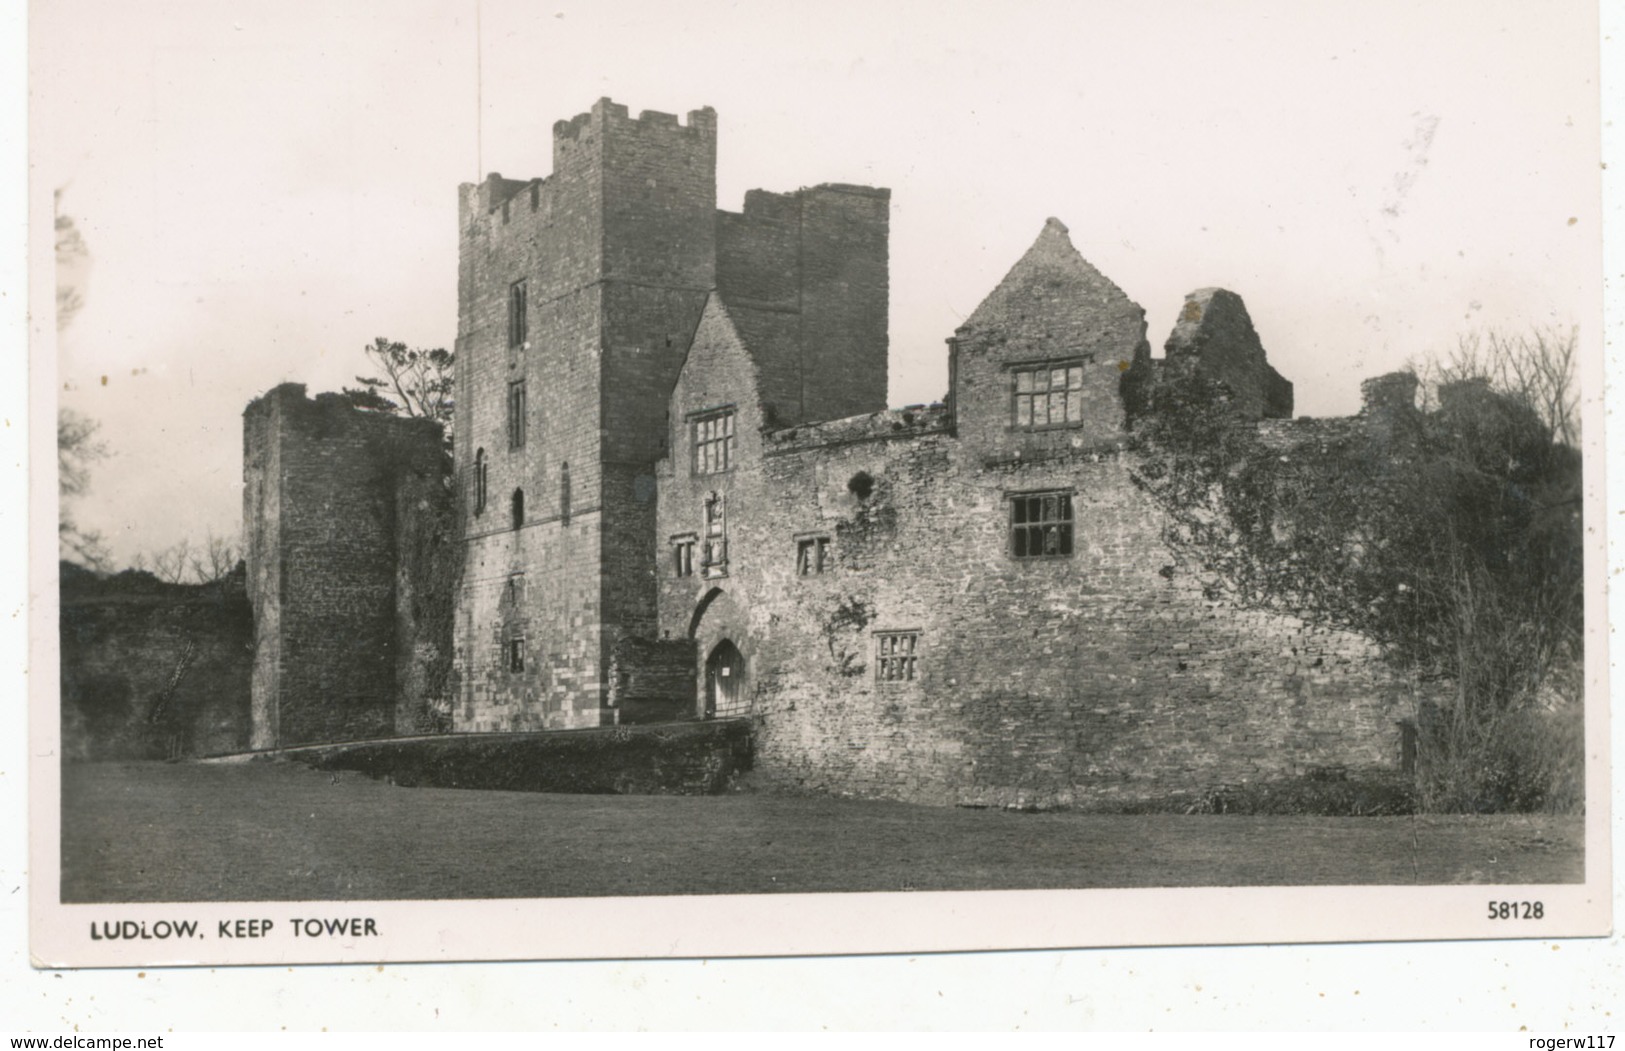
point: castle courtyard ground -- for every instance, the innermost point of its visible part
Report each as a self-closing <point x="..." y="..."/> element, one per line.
<point x="276" y="831"/>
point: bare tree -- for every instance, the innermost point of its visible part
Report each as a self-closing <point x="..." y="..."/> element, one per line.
<point x="214" y="559"/>
<point x="1537" y="368"/>
<point x="173" y="563"/>
<point x="415" y="382"/>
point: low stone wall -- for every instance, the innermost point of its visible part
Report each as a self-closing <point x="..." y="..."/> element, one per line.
<point x="676" y="759"/>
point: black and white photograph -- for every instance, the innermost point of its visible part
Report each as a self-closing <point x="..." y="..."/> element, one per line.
<point x="545" y="481"/>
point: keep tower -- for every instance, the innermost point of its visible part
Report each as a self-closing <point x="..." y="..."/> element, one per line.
<point x="577" y="296"/>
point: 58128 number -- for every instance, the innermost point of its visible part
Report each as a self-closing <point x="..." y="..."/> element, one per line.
<point x="1516" y="910"/>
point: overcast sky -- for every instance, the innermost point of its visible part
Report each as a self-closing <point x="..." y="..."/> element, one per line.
<point x="265" y="187"/>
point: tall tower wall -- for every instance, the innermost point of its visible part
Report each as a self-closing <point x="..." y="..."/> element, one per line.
<point x="325" y="489"/>
<point x="616" y="251"/>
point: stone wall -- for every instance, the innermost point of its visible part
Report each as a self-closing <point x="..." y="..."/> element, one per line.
<point x="1215" y="336"/>
<point x="153" y="670"/>
<point x="348" y="534"/>
<point x="1103" y="674"/>
<point x="1052" y="308"/>
<point x="616" y="248"/>
<point x="1100" y="678"/>
<point x="814" y="263"/>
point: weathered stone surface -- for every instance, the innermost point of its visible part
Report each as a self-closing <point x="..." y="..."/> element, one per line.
<point x="1107" y="675"/>
<point x="347" y="531"/>
<point x="1214" y="336"/>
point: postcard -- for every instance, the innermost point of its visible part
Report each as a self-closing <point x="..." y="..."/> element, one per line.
<point x="603" y="481"/>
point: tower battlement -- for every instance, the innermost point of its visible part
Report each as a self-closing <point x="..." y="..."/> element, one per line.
<point x="606" y="113"/>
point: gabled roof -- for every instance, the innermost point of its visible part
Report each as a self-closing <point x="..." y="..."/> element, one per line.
<point x="771" y="340"/>
<point x="1051" y="270"/>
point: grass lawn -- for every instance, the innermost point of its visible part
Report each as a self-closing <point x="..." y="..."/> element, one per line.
<point x="137" y="832"/>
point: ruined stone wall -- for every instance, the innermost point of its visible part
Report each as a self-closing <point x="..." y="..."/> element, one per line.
<point x="328" y="551"/>
<point x="817" y="260"/>
<point x="845" y="233"/>
<point x="1214" y="336"/>
<point x="1106" y="672"/>
<point x="153" y="670"/>
<point x="1096" y="679"/>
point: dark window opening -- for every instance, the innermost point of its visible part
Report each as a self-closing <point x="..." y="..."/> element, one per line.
<point x="515" y="656"/>
<point x="683" y="555"/>
<point x="516" y="414"/>
<point x="481" y="480"/>
<point x="518" y="315"/>
<point x="861" y="485"/>
<point x="813" y="556"/>
<point x="518" y="508"/>
<point x="1048" y="395"/>
<point x="1041" y="525"/>
<point x="714" y="442"/>
<point x="895" y="656"/>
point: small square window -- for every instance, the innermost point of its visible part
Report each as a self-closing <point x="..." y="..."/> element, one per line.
<point x="1041" y="525"/>
<point x="895" y="656"/>
<point x="682" y="549"/>
<point x="813" y="556"/>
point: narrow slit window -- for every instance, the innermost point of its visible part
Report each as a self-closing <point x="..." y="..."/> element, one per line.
<point x="481" y="481"/>
<point x="516" y="414"/>
<point x="518" y="314"/>
<point x="514" y="657"/>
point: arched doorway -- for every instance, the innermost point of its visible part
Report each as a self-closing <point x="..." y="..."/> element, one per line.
<point x="724" y="679"/>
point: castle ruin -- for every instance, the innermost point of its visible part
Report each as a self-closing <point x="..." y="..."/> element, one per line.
<point x="679" y="493"/>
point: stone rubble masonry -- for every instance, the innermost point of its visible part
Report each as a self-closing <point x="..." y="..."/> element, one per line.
<point x="1100" y="679"/>
<point x="340" y="508"/>
<point x="1052" y="306"/>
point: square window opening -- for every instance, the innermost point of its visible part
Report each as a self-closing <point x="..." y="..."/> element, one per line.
<point x="1041" y="525"/>
<point x="896" y="656"/>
